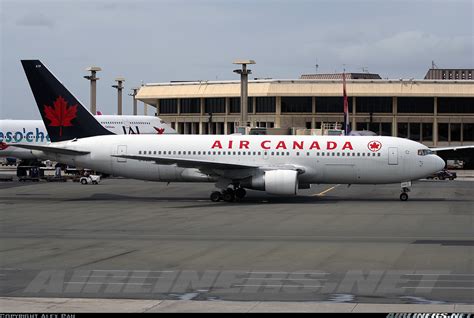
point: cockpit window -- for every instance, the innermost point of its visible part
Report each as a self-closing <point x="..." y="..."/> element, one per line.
<point x="425" y="152"/>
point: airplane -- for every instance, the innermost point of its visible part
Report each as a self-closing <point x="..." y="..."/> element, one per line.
<point x="276" y="164"/>
<point x="34" y="132"/>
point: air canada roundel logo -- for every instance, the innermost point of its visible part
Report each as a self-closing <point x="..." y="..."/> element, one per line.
<point x="374" y="146"/>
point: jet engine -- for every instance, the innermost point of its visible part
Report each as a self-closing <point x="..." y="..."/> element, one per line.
<point x="283" y="182"/>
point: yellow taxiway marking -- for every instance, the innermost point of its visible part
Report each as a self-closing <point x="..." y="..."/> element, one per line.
<point x="325" y="191"/>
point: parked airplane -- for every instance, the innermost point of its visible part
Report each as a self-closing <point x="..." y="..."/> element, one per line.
<point x="276" y="164"/>
<point x="34" y="132"/>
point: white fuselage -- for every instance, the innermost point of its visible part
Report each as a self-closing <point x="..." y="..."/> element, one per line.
<point x="322" y="159"/>
<point x="34" y="131"/>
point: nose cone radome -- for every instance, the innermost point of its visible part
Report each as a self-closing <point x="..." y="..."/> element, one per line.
<point x="439" y="163"/>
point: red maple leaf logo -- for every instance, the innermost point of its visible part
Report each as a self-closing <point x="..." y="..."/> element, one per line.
<point x="374" y="145"/>
<point x="60" y="115"/>
<point x="159" y="131"/>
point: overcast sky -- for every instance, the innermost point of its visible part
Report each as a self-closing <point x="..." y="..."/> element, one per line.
<point x="159" y="41"/>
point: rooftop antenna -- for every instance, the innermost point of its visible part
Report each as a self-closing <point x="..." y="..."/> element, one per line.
<point x="433" y="65"/>
<point x="317" y="66"/>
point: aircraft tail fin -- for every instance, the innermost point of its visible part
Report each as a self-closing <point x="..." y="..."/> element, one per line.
<point x="63" y="115"/>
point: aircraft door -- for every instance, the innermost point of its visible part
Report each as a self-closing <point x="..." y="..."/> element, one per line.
<point x="121" y="150"/>
<point x="393" y="156"/>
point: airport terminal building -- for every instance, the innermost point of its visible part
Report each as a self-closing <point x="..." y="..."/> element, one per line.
<point x="435" y="112"/>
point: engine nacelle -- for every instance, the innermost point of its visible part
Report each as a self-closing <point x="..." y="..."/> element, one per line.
<point x="283" y="182"/>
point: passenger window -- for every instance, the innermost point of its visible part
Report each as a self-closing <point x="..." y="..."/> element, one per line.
<point x="297" y="153"/>
<point x="259" y="153"/>
<point x="358" y="154"/>
<point x="307" y="154"/>
<point x="139" y="152"/>
<point x="378" y="154"/>
<point x="272" y="153"/>
<point x="343" y="154"/>
<point x="287" y="153"/>
<point x="179" y="152"/>
<point x="154" y="152"/>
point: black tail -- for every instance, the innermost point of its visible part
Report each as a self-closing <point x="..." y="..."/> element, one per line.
<point x="63" y="115"/>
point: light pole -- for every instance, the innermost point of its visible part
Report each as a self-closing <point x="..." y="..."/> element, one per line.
<point x="119" y="88"/>
<point x="133" y="94"/>
<point x="244" y="82"/>
<point x="93" y="92"/>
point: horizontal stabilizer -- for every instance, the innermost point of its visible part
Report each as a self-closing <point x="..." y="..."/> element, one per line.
<point x="51" y="149"/>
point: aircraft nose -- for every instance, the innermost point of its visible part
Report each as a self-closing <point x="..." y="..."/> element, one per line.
<point x="439" y="163"/>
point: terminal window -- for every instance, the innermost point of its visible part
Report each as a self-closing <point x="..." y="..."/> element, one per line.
<point x="415" y="104"/>
<point x="296" y="104"/>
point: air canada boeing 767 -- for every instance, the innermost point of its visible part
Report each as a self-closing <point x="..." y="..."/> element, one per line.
<point x="275" y="164"/>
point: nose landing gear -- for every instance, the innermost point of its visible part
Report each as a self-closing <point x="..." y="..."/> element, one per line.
<point x="405" y="189"/>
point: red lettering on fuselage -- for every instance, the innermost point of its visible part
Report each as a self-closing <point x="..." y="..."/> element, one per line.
<point x="217" y="144"/>
<point x="315" y="145"/>
<point x="298" y="145"/>
<point x="281" y="145"/>
<point x="264" y="144"/>
<point x="331" y="145"/>
<point x="244" y="144"/>
<point x="347" y="145"/>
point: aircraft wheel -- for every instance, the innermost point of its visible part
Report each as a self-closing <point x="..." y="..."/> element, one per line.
<point x="229" y="196"/>
<point x="240" y="193"/>
<point x="84" y="181"/>
<point x="403" y="196"/>
<point x="215" y="196"/>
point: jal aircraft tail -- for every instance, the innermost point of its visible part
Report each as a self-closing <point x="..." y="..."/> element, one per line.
<point x="63" y="115"/>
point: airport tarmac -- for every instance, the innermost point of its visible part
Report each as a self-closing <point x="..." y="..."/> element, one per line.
<point x="132" y="239"/>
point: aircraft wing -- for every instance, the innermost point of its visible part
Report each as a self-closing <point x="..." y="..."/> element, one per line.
<point x="206" y="165"/>
<point x="51" y="149"/>
<point x="452" y="148"/>
<point x="188" y="163"/>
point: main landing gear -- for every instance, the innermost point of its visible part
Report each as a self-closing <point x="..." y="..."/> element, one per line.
<point x="228" y="195"/>
<point x="405" y="189"/>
